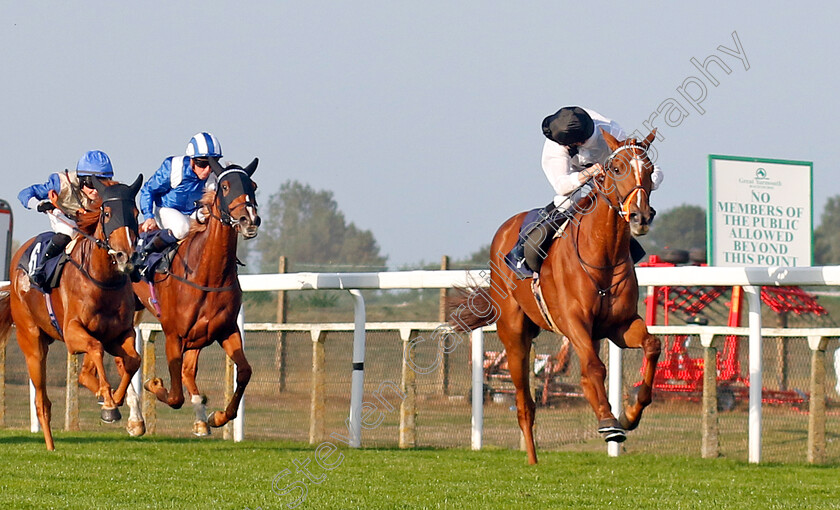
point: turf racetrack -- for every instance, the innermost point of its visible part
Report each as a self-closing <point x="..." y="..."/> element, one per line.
<point x="109" y="470"/>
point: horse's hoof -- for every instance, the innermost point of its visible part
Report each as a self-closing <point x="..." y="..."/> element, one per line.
<point x="110" y="415"/>
<point x="625" y="422"/>
<point x="217" y="419"/>
<point x="617" y="436"/>
<point x="201" y="429"/>
<point x="152" y="384"/>
<point x="136" y="428"/>
<point x="612" y="430"/>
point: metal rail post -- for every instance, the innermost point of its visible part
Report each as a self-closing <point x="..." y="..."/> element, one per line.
<point x="357" y="388"/>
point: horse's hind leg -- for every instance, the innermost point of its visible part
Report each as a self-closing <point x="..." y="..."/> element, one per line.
<point x="35" y="349"/>
<point x="199" y="402"/>
<point x="517" y="341"/>
<point x="634" y="336"/>
<point x="233" y="348"/>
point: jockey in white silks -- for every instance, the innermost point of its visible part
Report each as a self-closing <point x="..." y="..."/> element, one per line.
<point x="574" y="152"/>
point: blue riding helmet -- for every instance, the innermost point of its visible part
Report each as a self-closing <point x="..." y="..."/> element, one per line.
<point x="204" y="145"/>
<point x="95" y="163"/>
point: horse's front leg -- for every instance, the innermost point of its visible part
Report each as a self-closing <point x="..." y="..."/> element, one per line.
<point x="78" y="339"/>
<point x="174" y="398"/>
<point x="128" y="363"/>
<point x="593" y="373"/>
<point x="233" y="347"/>
<point x="198" y="401"/>
<point x="635" y="335"/>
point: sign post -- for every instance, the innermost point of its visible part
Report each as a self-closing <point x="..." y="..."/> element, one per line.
<point x="760" y="212"/>
<point x="6" y="225"/>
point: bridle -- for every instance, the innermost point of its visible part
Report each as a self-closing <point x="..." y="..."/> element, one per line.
<point x="623" y="207"/>
<point x="107" y="230"/>
<point x="127" y="220"/>
<point x="223" y="202"/>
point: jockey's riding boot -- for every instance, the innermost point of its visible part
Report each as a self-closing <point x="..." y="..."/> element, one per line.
<point x="56" y="245"/>
<point x="155" y="244"/>
<point x="527" y="255"/>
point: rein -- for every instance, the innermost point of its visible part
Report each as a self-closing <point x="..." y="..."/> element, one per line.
<point x="199" y="287"/>
<point x="221" y="219"/>
<point x="102" y="285"/>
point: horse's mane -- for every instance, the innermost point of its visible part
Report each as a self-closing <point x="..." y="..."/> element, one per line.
<point x="206" y="205"/>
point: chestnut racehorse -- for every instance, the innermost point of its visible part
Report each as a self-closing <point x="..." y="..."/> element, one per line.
<point x="93" y="305"/>
<point x="199" y="295"/>
<point x="589" y="290"/>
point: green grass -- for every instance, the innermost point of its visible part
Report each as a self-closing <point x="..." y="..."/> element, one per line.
<point x="108" y="470"/>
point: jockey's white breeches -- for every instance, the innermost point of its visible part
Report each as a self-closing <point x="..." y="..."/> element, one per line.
<point x="176" y="221"/>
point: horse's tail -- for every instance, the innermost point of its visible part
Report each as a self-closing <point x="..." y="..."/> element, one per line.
<point x="5" y="314"/>
<point x="471" y="308"/>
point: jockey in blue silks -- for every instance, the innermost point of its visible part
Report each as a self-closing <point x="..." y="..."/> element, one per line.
<point x="169" y="199"/>
<point x="63" y="197"/>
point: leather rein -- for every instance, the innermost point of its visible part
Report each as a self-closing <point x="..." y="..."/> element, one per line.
<point x="226" y="219"/>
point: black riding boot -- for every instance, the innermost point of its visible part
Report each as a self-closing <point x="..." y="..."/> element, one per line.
<point x="56" y="245"/>
<point x="153" y="244"/>
<point x="536" y="238"/>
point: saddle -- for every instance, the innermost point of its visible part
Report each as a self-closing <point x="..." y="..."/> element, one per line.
<point x="35" y="253"/>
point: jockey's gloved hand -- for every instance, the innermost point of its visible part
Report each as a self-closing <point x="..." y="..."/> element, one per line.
<point x="45" y="206"/>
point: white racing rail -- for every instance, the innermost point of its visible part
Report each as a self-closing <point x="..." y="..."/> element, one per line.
<point x="750" y="278"/>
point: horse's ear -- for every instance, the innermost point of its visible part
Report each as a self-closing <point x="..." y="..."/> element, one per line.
<point x="97" y="185"/>
<point x="649" y="139"/>
<point x="135" y="187"/>
<point x="216" y="167"/>
<point x="252" y="167"/>
<point x="612" y="143"/>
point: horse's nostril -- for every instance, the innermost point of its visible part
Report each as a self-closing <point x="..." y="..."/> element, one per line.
<point x="258" y="221"/>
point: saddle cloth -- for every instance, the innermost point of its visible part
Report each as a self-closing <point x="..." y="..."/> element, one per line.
<point x="33" y="256"/>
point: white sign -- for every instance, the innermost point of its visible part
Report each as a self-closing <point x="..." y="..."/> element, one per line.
<point x="760" y="212"/>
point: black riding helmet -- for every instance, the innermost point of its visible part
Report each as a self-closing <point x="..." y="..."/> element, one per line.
<point x="570" y="125"/>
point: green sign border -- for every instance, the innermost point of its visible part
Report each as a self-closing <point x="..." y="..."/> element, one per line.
<point x="710" y="228"/>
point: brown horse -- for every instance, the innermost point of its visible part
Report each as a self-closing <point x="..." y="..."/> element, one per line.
<point x="589" y="290"/>
<point x="93" y="305"/>
<point x="199" y="296"/>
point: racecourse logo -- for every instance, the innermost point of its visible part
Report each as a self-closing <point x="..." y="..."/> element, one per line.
<point x="760" y="173"/>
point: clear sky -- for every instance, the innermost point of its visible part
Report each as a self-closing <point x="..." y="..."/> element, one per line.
<point x="424" y="117"/>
